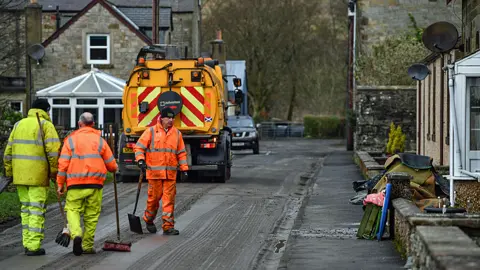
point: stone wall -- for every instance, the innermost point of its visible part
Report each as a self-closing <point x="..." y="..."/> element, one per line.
<point x="376" y="107"/>
<point x="13" y="44"/>
<point x="471" y="16"/>
<point x="182" y="32"/>
<point x="468" y="190"/>
<point x="403" y="229"/>
<point x="443" y="248"/>
<point x="380" y="18"/>
<point x="65" y="57"/>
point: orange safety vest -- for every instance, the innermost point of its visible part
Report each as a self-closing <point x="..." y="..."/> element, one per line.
<point x="85" y="159"/>
<point x="164" y="152"/>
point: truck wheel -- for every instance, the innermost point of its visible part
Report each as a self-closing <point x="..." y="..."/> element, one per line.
<point x="223" y="177"/>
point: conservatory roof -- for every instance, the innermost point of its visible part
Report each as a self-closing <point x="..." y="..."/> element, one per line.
<point x="94" y="83"/>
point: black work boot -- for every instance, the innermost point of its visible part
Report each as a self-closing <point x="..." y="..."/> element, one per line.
<point x="38" y="252"/>
<point x="26" y="250"/>
<point x="151" y="227"/>
<point x="171" y="231"/>
<point x="77" y="246"/>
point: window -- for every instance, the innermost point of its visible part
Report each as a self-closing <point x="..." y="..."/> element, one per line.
<point x="61" y="117"/>
<point x="17" y="106"/>
<point x="61" y="101"/>
<point x="112" y="116"/>
<point x="86" y="101"/>
<point x="474" y="113"/>
<point x="113" y="101"/>
<point x="98" y="49"/>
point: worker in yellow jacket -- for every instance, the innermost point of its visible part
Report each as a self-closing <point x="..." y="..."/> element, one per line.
<point x="28" y="158"/>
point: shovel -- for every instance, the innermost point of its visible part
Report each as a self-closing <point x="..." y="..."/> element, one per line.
<point x="135" y="225"/>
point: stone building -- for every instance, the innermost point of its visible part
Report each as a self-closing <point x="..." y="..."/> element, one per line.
<point x="376" y="20"/>
<point x="77" y="34"/>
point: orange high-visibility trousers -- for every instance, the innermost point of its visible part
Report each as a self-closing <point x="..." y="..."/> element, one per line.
<point x="164" y="190"/>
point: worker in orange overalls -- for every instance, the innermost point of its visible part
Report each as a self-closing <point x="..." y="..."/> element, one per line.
<point x="83" y="165"/>
<point x="159" y="151"/>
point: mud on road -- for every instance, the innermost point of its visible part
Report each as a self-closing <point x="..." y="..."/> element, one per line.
<point x="242" y="224"/>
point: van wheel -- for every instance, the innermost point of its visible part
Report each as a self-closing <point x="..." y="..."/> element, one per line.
<point x="256" y="149"/>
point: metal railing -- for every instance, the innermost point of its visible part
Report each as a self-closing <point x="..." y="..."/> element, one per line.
<point x="284" y="129"/>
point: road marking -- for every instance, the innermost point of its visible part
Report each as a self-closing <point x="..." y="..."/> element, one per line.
<point x="268" y="153"/>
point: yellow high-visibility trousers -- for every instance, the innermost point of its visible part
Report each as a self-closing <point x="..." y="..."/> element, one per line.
<point x="33" y="207"/>
<point x="87" y="201"/>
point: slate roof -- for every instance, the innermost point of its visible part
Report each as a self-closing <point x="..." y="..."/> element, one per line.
<point x="107" y="6"/>
<point x="77" y="5"/>
<point x="142" y="17"/>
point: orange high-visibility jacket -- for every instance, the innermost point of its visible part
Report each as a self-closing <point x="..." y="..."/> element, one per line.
<point x="164" y="152"/>
<point x="85" y="159"/>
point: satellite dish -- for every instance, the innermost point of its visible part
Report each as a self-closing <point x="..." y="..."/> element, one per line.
<point x="36" y="51"/>
<point x="418" y="72"/>
<point x="440" y="37"/>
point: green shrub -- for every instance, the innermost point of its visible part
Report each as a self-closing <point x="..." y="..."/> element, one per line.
<point x="324" y="126"/>
<point x="396" y="140"/>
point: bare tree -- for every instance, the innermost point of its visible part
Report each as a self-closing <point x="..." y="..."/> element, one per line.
<point x="287" y="44"/>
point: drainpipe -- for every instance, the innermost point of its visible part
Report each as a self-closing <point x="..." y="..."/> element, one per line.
<point x="453" y="130"/>
<point x="155" y="21"/>
<point x="57" y="18"/>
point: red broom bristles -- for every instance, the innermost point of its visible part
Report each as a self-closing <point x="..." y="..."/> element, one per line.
<point x="116" y="246"/>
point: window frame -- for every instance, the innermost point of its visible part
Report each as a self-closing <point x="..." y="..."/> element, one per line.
<point x="15" y="101"/>
<point x="89" y="47"/>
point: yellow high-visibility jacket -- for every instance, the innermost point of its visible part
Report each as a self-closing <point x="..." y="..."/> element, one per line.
<point x="24" y="157"/>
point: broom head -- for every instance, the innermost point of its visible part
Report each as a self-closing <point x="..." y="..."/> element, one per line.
<point x="116" y="246"/>
<point x="63" y="237"/>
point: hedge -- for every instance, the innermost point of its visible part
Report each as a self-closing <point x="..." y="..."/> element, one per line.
<point x="324" y="126"/>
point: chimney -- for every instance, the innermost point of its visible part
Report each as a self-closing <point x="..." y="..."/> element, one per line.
<point x="218" y="48"/>
<point x="218" y="52"/>
<point x="33" y="34"/>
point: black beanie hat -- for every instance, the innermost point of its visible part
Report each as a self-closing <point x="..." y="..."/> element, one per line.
<point x="167" y="112"/>
<point x="41" y="104"/>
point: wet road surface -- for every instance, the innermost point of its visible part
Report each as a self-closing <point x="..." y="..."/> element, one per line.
<point x="241" y="224"/>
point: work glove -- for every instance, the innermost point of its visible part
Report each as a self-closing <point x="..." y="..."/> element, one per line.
<point x="183" y="176"/>
<point x="142" y="165"/>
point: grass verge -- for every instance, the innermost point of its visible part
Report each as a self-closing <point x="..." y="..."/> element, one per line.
<point x="10" y="204"/>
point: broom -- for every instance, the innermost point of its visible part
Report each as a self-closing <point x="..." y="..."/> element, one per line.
<point x="63" y="237"/>
<point x="112" y="245"/>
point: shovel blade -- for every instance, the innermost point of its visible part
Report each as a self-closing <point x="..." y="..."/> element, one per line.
<point x="4" y="182"/>
<point x="135" y="225"/>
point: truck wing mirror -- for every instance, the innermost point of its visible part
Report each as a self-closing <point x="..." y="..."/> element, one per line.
<point x="238" y="96"/>
<point x="237" y="82"/>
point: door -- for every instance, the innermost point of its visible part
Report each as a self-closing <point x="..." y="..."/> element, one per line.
<point x="472" y="111"/>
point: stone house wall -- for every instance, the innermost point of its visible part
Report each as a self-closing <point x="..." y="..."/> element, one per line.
<point x="65" y="57"/>
<point x="13" y="44"/>
<point x="182" y="32"/>
<point x="380" y="18"/>
<point x="378" y="106"/>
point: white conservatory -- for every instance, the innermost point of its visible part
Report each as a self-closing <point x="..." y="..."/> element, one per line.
<point x="96" y="92"/>
<point x="464" y="84"/>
